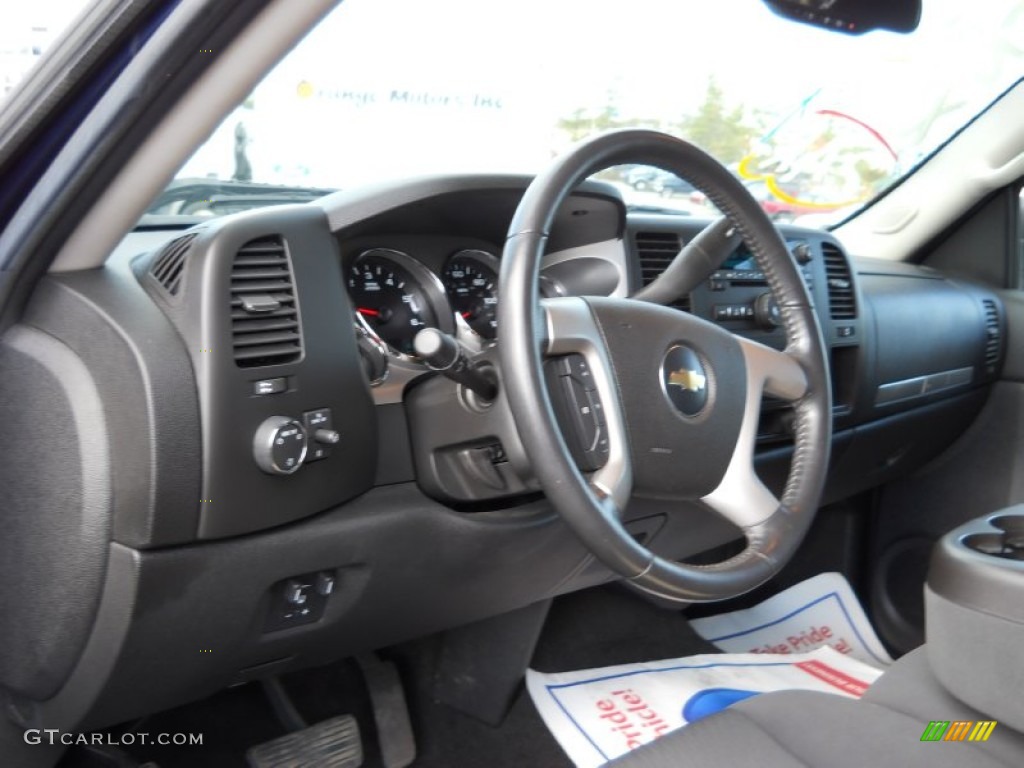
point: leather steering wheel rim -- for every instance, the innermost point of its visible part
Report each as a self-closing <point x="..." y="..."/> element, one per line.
<point x="532" y="329"/>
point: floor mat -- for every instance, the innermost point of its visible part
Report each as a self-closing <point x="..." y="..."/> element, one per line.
<point x="592" y="628"/>
<point x="610" y="625"/>
<point x="821" y="611"/>
<point x="600" y="714"/>
<point x="812" y="636"/>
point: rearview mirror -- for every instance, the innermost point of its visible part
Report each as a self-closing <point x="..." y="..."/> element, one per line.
<point x="854" y="17"/>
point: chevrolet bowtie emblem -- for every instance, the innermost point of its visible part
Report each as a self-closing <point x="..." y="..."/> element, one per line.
<point x="692" y="381"/>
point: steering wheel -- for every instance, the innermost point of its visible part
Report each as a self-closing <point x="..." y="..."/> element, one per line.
<point x="681" y="396"/>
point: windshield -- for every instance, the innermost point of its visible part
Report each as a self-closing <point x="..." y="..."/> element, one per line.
<point x="27" y="31"/>
<point x="816" y="123"/>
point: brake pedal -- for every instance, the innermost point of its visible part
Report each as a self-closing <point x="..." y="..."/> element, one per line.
<point x="332" y="743"/>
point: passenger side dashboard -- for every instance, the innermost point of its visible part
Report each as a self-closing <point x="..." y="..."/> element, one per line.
<point x="911" y="351"/>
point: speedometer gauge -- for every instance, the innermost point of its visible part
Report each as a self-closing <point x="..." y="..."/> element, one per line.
<point x="392" y="295"/>
<point x="471" y="279"/>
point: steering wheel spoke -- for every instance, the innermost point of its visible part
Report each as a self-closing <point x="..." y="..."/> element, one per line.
<point x="773" y="372"/>
<point x="571" y="329"/>
<point x="741" y="497"/>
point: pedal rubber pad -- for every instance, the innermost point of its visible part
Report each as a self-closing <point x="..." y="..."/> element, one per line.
<point x="332" y="743"/>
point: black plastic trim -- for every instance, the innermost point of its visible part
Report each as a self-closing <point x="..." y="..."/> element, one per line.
<point x="148" y="391"/>
<point x="236" y="496"/>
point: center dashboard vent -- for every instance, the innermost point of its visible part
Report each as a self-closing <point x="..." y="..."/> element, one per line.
<point x="841" y="301"/>
<point x="656" y="251"/>
<point x="168" y="267"/>
<point x="265" y="327"/>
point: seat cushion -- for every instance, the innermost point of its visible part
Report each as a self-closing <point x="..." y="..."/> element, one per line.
<point x="789" y="729"/>
<point x="909" y="686"/>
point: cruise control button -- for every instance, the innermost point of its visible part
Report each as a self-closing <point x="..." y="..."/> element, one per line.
<point x="597" y="407"/>
<point x="562" y="365"/>
<point x="581" y="372"/>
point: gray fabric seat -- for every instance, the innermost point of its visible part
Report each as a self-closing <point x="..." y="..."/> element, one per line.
<point x="801" y="728"/>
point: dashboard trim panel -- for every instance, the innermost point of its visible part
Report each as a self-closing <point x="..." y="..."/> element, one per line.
<point x="919" y="386"/>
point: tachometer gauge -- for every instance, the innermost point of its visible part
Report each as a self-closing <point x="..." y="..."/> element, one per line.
<point x="471" y="279"/>
<point x="395" y="297"/>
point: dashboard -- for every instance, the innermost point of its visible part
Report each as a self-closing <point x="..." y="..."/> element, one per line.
<point x="200" y="349"/>
<point x="427" y="255"/>
<point x="292" y="295"/>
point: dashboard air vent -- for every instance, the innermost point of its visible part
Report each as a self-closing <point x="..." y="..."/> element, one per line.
<point x="265" y="327"/>
<point x="169" y="267"/>
<point x="993" y="337"/>
<point x="656" y="251"/>
<point x="841" y="301"/>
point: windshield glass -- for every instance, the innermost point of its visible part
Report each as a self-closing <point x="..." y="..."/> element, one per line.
<point x="816" y="123"/>
<point x="27" y="31"/>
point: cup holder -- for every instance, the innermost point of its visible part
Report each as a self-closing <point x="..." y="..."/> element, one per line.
<point x="1007" y="543"/>
<point x="1010" y="524"/>
<point x="996" y="544"/>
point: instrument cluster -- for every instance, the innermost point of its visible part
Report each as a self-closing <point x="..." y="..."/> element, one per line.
<point x="395" y="296"/>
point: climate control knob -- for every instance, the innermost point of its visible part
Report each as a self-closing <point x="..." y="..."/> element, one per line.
<point x="280" y="445"/>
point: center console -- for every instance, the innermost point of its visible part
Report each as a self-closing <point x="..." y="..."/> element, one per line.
<point x="974" y="604"/>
